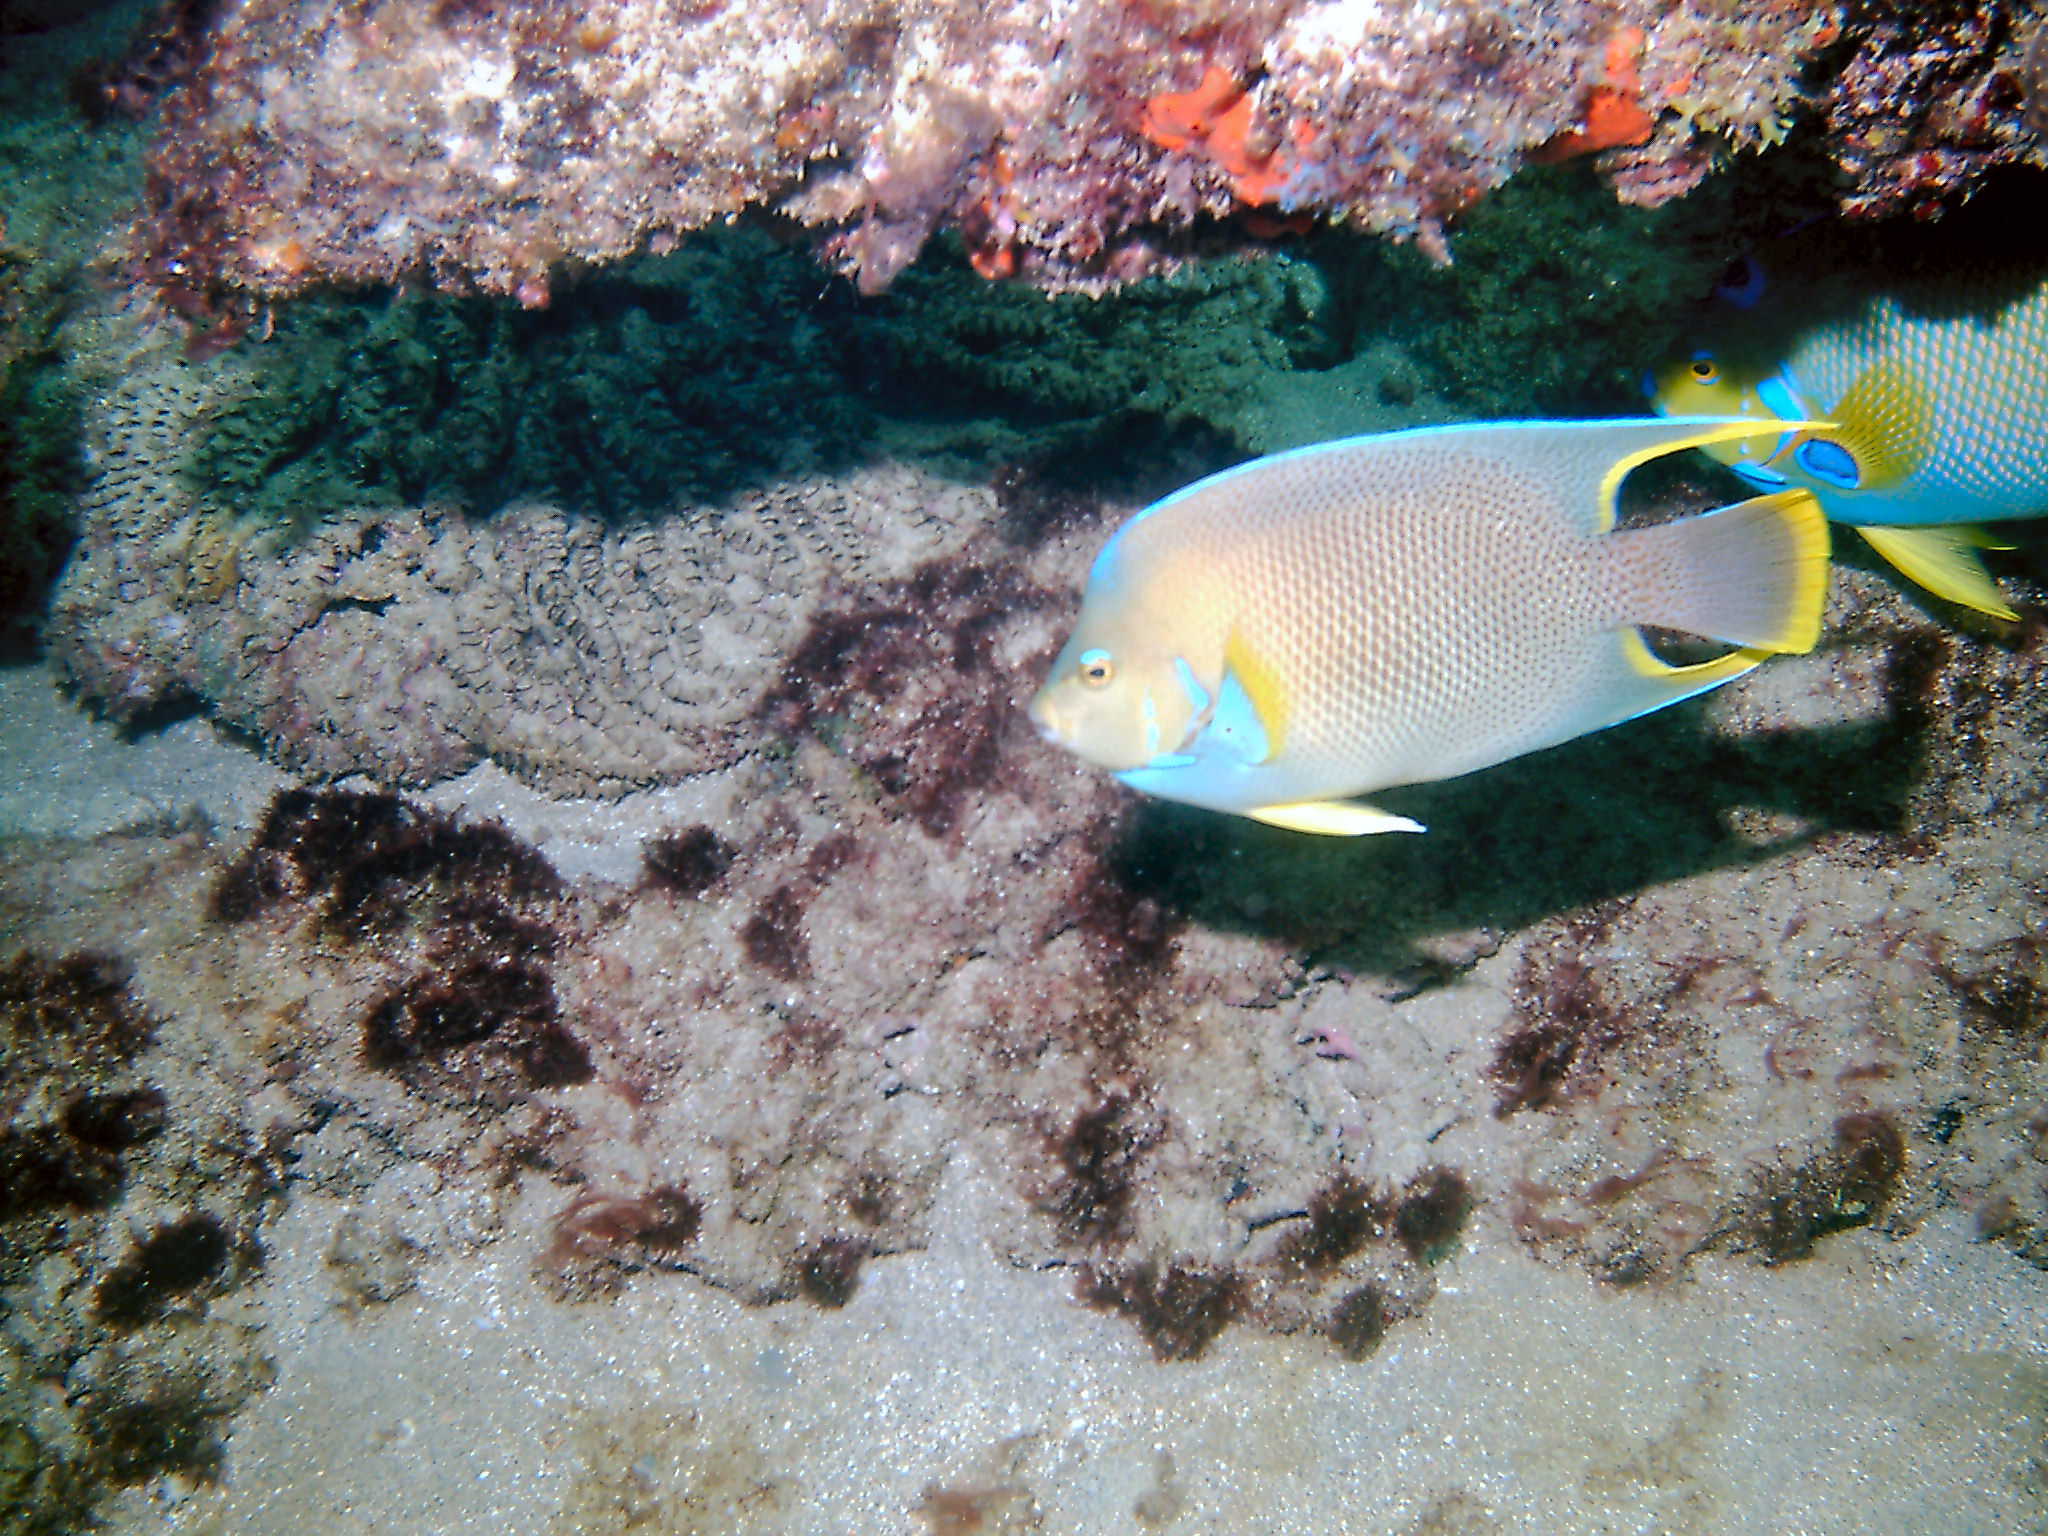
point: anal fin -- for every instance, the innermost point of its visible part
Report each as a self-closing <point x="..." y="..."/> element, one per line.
<point x="1334" y="818"/>
<point x="1942" y="557"/>
<point x="1642" y="682"/>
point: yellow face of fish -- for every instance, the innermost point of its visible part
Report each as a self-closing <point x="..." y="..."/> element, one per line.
<point x="1705" y="383"/>
<point x="1117" y="697"/>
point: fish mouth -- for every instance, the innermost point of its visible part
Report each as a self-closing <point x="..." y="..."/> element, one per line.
<point x="1047" y="721"/>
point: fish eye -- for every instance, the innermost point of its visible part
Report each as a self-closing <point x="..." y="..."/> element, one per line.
<point x="1704" y="371"/>
<point x="1097" y="669"/>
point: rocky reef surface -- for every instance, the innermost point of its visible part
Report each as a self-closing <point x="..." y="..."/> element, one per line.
<point x="1706" y="998"/>
<point x="1072" y="142"/>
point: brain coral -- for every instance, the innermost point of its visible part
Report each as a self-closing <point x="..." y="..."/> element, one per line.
<point x="410" y="643"/>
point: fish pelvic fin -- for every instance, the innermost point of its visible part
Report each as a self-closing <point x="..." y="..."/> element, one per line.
<point x="1334" y="818"/>
<point x="1943" y="558"/>
<point x="1754" y="574"/>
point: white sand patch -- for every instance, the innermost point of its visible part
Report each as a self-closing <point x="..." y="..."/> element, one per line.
<point x="1886" y="1387"/>
<point x="65" y="773"/>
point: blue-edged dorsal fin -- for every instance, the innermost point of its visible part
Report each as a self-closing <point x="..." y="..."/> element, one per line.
<point x="1583" y="463"/>
<point x="1625" y="446"/>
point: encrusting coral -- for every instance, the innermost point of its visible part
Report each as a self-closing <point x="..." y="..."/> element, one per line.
<point x="1070" y="142"/>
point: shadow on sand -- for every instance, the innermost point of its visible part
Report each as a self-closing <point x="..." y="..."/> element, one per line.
<point x="1609" y="815"/>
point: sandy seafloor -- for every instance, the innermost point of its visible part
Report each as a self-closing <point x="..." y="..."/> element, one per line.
<point x="1894" y="1381"/>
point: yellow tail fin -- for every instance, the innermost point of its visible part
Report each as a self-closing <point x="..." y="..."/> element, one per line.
<point x="1754" y="574"/>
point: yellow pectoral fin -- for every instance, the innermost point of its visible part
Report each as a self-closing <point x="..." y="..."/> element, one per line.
<point x="1886" y="424"/>
<point x="1262" y="689"/>
<point x="1334" y="818"/>
<point x="1942" y="557"/>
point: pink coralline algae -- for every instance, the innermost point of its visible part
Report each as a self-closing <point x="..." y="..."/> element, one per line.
<point x="497" y="144"/>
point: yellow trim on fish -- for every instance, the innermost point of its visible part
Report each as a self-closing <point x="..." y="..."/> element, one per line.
<point x="1334" y="818"/>
<point x="1401" y="609"/>
<point x="1262" y="685"/>
<point x="1645" y="662"/>
<point x="1706" y="437"/>
<point x="1802" y="631"/>
<point x="1942" y="557"/>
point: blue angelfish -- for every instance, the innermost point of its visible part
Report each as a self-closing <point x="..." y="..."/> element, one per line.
<point x="1306" y="628"/>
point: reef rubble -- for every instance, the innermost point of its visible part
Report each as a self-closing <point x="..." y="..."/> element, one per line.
<point x="1069" y="142"/>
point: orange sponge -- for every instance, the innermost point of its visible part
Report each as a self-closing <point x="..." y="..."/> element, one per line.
<point x="1615" y="116"/>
